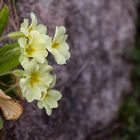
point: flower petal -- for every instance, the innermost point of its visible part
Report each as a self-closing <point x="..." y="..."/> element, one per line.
<point x="41" y="29"/>
<point x="24" y="27"/>
<point x="51" y="102"/>
<point x="42" y="104"/>
<point x="22" y="42"/>
<point x="34" y="20"/>
<point x="59" y="58"/>
<point x="59" y="33"/>
<point x="33" y="94"/>
<point x="53" y="82"/>
<point x="55" y="94"/>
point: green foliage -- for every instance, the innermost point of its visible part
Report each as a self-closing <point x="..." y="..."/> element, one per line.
<point x="7" y="83"/>
<point x="4" y="14"/>
<point x="129" y="117"/>
<point x="9" y="55"/>
<point x="129" y="114"/>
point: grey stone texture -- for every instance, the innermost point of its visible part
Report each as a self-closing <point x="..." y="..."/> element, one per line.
<point x="96" y="76"/>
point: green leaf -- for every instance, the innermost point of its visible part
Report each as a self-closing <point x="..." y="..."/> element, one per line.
<point x="6" y="83"/>
<point x="9" y="55"/>
<point x="4" y="14"/>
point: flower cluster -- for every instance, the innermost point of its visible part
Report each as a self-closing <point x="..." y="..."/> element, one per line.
<point x="36" y="78"/>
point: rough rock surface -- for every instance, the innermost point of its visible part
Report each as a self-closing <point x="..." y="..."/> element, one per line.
<point x="94" y="79"/>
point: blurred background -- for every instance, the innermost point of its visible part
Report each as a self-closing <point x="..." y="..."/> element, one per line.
<point x="100" y="83"/>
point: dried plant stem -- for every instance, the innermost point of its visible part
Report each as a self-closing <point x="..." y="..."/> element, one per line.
<point x="2" y="38"/>
<point x="1" y="3"/>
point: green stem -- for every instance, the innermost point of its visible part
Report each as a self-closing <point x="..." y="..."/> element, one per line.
<point x="11" y="88"/>
<point x="9" y="72"/>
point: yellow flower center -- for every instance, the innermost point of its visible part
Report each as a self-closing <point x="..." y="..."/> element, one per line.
<point x="30" y="50"/>
<point x="55" y="45"/>
<point x="34" y="79"/>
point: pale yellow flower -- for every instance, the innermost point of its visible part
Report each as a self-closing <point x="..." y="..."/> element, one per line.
<point x="59" y="47"/>
<point x="35" y="40"/>
<point x="37" y="80"/>
<point x="49" y="100"/>
<point x="35" y="46"/>
<point x="26" y="28"/>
